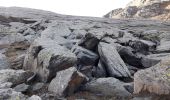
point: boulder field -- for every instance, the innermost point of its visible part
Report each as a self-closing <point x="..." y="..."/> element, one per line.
<point x="48" y="56"/>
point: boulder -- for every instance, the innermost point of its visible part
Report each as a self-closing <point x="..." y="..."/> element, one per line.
<point x="46" y="57"/>
<point x="10" y="94"/>
<point x="66" y="82"/>
<point x="14" y="76"/>
<point x="164" y="47"/>
<point x="128" y="55"/>
<point x="89" y="41"/>
<point x="154" y="80"/>
<point x="17" y="63"/>
<point x="37" y="86"/>
<point x="99" y="70"/>
<point x="84" y="56"/>
<point x="107" y="87"/>
<point x="115" y="66"/>
<point x="22" y="87"/>
<point x="56" y="30"/>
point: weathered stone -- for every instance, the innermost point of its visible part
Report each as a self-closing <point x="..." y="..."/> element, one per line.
<point x="21" y="87"/>
<point x="114" y="65"/>
<point x="99" y="71"/>
<point x="66" y="82"/>
<point x="14" y="76"/>
<point x="84" y="56"/>
<point x="17" y="63"/>
<point x="10" y="94"/>
<point x="54" y="31"/>
<point x="108" y="86"/>
<point x="89" y="41"/>
<point x="37" y="86"/>
<point x="46" y="57"/>
<point x="154" y="80"/>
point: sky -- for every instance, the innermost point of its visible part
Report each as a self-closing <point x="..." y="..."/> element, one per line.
<point x="95" y="8"/>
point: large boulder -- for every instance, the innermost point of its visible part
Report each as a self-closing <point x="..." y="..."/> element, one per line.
<point x="89" y="41"/>
<point x="66" y="82"/>
<point x="84" y="56"/>
<point x="108" y="87"/>
<point x="115" y="66"/>
<point x="154" y="80"/>
<point x="46" y="57"/>
<point x="14" y="76"/>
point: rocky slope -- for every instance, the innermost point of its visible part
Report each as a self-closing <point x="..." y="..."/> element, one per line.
<point x="150" y="9"/>
<point x="47" y="56"/>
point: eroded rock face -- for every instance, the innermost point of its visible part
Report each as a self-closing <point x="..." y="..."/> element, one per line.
<point x="152" y="9"/>
<point x="66" y="82"/>
<point x="112" y="61"/>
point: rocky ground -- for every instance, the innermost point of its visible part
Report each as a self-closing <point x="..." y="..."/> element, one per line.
<point x="47" y="56"/>
<point x="143" y="9"/>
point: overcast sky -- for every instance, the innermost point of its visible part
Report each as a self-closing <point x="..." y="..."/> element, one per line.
<point x="95" y="8"/>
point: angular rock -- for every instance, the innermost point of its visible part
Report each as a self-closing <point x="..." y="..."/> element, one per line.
<point x="84" y="56"/>
<point x="21" y="87"/>
<point x="86" y="70"/>
<point x="114" y="65"/>
<point x="17" y="63"/>
<point x="14" y="76"/>
<point x="77" y="34"/>
<point x="46" y="57"/>
<point x="66" y="82"/>
<point x="56" y="30"/>
<point x="37" y="86"/>
<point x="90" y="41"/>
<point x="10" y="94"/>
<point x="128" y="55"/>
<point x="154" y="80"/>
<point x="164" y="47"/>
<point x="99" y="71"/>
<point x="108" y="87"/>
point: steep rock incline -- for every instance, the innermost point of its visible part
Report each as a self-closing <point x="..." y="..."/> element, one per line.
<point x="151" y="9"/>
<point x="54" y="56"/>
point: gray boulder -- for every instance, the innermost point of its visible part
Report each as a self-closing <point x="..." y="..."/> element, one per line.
<point x="10" y="94"/>
<point x="66" y="82"/>
<point x="108" y="87"/>
<point x="22" y="87"/>
<point x="89" y="42"/>
<point x="14" y="76"/>
<point x="99" y="71"/>
<point x="114" y="65"/>
<point x="84" y="56"/>
<point x="46" y="57"/>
